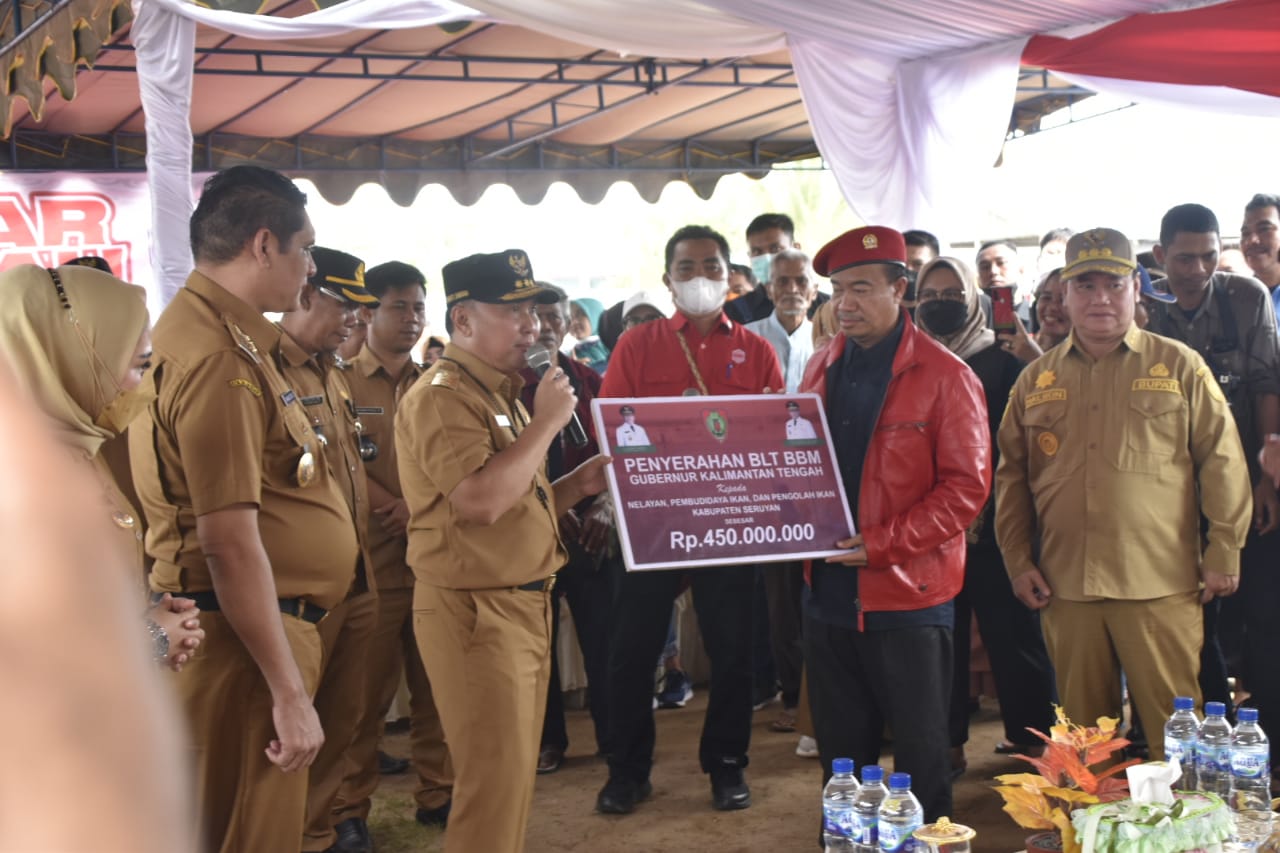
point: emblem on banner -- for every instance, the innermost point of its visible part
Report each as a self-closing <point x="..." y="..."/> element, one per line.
<point x="716" y="423"/>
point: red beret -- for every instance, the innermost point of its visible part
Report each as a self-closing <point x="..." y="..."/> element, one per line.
<point x="874" y="244"/>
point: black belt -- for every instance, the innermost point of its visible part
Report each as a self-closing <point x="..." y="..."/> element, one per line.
<point x="544" y="585"/>
<point x="298" y="607"/>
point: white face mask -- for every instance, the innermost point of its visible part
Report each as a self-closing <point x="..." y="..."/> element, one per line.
<point x="699" y="296"/>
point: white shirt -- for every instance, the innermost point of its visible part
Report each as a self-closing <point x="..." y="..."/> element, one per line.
<point x="793" y="349"/>
<point x="800" y="428"/>
<point x="632" y="435"/>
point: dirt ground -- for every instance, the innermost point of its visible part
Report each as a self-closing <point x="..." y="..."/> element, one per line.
<point x="785" y="794"/>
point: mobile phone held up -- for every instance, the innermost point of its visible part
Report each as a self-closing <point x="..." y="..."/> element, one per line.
<point x="1002" y="313"/>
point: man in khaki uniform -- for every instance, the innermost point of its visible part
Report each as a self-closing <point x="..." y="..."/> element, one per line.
<point x="243" y="516"/>
<point x="1112" y="447"/>
<point x="379" y="377"/>
<point x="484" y="541"/>
<point x="325" y="319"/>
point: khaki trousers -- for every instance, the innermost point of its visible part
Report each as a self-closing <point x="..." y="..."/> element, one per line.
<point x="488" y="654"/>
<point x="243" y="801"/>
<point x="1156" y="642"/>
<point x="344" y="635"/>
<point x="391" y="648"/>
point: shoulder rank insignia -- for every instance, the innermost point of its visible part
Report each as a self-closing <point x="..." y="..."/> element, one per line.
<point x="1158" y="370"/>
<point x="245" y="384"/>
<point x="446" y="378"/>
<point x="1046" y="379"/>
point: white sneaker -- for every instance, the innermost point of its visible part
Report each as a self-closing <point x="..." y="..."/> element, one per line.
<point x="807" y="747"/>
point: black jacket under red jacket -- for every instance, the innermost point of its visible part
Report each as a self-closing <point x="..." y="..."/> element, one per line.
<point x="926" y="476"/>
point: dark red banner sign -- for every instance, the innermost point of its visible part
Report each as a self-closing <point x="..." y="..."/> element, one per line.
<point x="705" y="481"/>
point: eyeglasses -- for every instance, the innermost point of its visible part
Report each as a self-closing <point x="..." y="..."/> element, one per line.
<point x="641" y="319"/>
<point x="348" y="307"/>
<point x="947" y="295"/>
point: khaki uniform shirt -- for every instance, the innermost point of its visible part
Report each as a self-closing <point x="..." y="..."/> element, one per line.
<point x="1246" y="370"/>
<point x="451" y="422"/>
<point x="377" y="396"/>
<point x="322" y="388"/>
<point x="1100" y="460"/>
<point x="216" y="437"/>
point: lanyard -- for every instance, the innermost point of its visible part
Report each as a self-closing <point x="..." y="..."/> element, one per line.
<point x="693" y="366"/>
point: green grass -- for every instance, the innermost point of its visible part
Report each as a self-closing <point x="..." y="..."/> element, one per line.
<point x="394" y="829"/>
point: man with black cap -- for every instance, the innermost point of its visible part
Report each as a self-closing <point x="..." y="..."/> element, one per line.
<point x="1114" y="446"/>
<point x="913" y="447"/>
<point x="484" y="541"/>
<point x="326" y="313"/>
<point x="699" y="351"/>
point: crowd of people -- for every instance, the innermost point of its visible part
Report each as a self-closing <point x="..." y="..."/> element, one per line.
<point x="1089" y="476"/>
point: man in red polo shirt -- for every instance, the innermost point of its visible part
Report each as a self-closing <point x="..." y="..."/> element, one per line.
<point x="699" y="351"/>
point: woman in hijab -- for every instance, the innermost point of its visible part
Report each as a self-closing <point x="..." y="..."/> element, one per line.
<point x="78" y="342"/>
<point x="949" y="311"/>
<point x="584" y="323"/>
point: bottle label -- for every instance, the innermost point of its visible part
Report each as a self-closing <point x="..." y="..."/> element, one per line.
<point x="837" y="820"/>
<point x="1250" y="763"/>
<point x="1174" y="748"/>
<point x="864" y="829"/>
<point x="1214" y="759"/>
<point x="896" y="838"/>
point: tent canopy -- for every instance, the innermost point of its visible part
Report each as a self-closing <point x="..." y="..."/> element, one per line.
<point x="464" y="105"/>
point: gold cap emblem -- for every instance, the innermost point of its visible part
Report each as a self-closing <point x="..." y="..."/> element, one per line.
<point x="870" y="242"/>
<point x="519" y="263"/>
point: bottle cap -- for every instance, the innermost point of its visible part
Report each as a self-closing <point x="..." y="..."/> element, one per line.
<point x="872" y="774"/>
<point x="1184" y="703"/>
<point x="899" y="781"/>
<point x="1215" y="709"/>
<point x="1247" y="715"/>
<point x="842" y="765"/>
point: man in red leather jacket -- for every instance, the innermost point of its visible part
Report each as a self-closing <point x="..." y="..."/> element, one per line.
<point x="909" y="424"/>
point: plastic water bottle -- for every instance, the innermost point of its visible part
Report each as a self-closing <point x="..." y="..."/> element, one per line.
<point x="1213" y="751"/>
<point x="1180" y="735"/>
<point x="900" y="815"/>
<point x="866" y="810"/>
<point x="1250" y="780"/>
<point x="837" y="807"/>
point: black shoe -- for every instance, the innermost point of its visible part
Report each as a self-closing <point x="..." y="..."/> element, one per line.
<point x="434" y="817"/>
<point x="729" y="791"/>
<point x="390" y="766"/>
<point x="353" y="837"/>
<point x="619" y="796"/>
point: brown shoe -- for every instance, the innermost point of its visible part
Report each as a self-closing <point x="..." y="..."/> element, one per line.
<point x="549" y="760"/>
<point x="786" y="721"/>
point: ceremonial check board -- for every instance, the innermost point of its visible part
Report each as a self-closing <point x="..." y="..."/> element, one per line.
<point x="707" y="481"/>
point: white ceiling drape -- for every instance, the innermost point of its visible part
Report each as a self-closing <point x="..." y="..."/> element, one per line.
<point x="908" y="99"/>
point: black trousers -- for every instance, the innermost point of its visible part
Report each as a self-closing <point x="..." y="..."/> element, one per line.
<point x="1260" y="594"/>
<point x="1020" y="663"/>
<point x="858" y="681"/>
<point x="588" y="586"/>
<point x="722" y="600"/>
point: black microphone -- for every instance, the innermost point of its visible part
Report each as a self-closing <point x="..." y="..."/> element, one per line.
<point x="539" y="359"/>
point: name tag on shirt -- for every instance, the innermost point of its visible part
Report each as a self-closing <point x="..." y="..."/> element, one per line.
<point x="503" y="420"/>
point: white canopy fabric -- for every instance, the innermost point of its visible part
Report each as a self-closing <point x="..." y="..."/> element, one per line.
<point x="908" y="100"/>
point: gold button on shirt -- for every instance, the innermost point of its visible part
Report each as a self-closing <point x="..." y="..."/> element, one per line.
<point x="377" y="396"/>
<point x="1110" y="463"/>
<point x="214" y="438"/>
<point x="447" y="428"/>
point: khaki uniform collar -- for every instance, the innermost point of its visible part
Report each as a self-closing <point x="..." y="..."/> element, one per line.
<point x="496" y="381"/>
<point x="1134" y="340"/>
<point x="368" y="365"/>
<point x="260" y="330"/>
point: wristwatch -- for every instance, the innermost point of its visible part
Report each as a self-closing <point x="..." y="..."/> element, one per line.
<point x="159" y="641"/>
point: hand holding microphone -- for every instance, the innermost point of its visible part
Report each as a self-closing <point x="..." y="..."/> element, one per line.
<point x="539" y="360"/>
